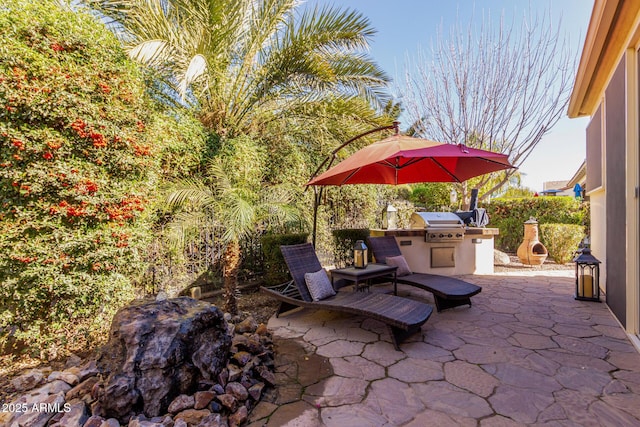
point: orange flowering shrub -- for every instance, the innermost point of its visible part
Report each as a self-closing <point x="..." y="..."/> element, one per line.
<point x="82" y="148"/>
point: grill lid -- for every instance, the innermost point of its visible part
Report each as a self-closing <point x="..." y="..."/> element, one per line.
<point x="435" y="219"/>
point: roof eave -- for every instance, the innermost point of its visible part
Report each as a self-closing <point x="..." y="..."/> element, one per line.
<point x="611" y="30"/>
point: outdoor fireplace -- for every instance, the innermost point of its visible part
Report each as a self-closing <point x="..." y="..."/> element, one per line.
<point x="531" y="251"/>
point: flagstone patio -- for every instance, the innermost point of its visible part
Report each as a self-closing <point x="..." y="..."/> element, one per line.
<point x="525" y="353"/>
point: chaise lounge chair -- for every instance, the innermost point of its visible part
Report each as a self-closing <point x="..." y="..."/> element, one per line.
<point x="448" y="292"/>
<point x="403" y="316"/>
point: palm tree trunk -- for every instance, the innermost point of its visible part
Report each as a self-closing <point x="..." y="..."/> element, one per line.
<point x="231" y="265"/>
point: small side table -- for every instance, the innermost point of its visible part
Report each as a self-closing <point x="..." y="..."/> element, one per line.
<point x="360" y="275"/>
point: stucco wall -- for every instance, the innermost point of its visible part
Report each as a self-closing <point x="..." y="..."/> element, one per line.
<point x="599" y="234"/>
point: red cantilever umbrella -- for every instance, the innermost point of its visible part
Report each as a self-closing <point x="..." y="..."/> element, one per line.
<point x="402" y="159"/>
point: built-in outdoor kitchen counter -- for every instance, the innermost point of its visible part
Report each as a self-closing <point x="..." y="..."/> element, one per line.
<point x="472" y="254"/>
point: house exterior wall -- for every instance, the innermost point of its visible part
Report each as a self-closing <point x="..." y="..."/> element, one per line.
<point x="599" y="234"/>
<point x="615" y="185"/>
<point x="608" y="84"/>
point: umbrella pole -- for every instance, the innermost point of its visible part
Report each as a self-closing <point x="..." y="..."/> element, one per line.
<point x="317" y="194"/>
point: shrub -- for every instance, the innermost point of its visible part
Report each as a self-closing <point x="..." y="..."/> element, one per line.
<point x="276" y="271"/>
<point x="434" y="196"/>
<point x="561" y="240"/>
<point x="80" y="154"/>
<point x="509" y="216"/>
<point x="344" y="240"/>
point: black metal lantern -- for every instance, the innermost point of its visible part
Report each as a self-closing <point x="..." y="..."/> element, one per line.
<point x="360" y="254"/>
<point x="587" y="276"/>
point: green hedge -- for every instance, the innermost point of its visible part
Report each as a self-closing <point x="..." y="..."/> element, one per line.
<point x="276" y="271"/>
<point x="561" y="240"/>
<point x="344" y="240"/>
<point x="509" y="216"/>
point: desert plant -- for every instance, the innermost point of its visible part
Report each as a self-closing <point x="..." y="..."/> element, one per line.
<point x="561" y="240"/>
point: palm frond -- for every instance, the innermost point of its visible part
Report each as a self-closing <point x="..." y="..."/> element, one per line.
<point x="150" y="52"/>
<point x="186" y="227"/>
<point x="191" y="193"/>
<point x="197" y="67"/>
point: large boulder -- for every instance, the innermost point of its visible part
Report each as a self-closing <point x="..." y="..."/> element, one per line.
<point x="158" y="350"/>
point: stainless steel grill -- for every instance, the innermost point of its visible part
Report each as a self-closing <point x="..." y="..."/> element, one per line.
<point x="439" y="226"/>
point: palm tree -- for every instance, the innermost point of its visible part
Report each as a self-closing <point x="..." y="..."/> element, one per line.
<point x="243" y="64"/>
<point x="250" y="68"/>
<point x="233" y="205"/>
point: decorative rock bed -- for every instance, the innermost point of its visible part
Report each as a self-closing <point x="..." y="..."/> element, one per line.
<point x="175" y="362"/>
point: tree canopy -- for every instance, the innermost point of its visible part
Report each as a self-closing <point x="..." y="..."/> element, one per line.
<point x="497" y="86"/>
<point x="244" y="64"/>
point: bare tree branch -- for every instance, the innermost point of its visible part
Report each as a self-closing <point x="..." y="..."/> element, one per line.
<point x="495" y="87"/>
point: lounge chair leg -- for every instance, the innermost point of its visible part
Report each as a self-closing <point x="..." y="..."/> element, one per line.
<point x="399" y="335"/>
<point x="284" y="306"/>
<point x="445" y="303"/>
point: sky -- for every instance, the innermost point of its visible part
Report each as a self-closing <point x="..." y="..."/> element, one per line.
<point x="404" y="27"/>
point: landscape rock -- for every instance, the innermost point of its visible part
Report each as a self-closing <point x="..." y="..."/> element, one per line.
<point x="97" y="421"/>
<point x="266" y="375"/>
<point x="89" y="369"/>
<point x="255" y="391"/>
<point x="192" y="416"/>
<point x="28" y="380"/>
<point x="238" y="417"/>
<point x="237" y="390"/>
<point x="233" y="373"/>
<point x="158" y="350"/>
<point x="500" y="257"/>
<point x="203" y="398"/>
<point x="242" y="357"/>
<point x="65" y="376"/>
<point x="247" y="325"/>
<point x="213" y="420"/>
<point x="82" y="389"/>
<point x="181" y="403"/>
<point x="262" y="329"/>
<point x="76" y="417"/>
<point x="228" y="401"/>
<point x="215" y="398"/>
<point x="72" y="361"/>
<point x="181" y="423"/>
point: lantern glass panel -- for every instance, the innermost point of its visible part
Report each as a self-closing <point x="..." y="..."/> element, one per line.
<point x="587" y="276"/>
<point x="360" y="254"/>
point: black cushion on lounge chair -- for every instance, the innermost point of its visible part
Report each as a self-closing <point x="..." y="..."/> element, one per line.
<point x="402" y="316"/>
<point x="447" y="292"/>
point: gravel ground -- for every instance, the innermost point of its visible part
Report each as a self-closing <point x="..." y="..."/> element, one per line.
<point x="516" y="265"/>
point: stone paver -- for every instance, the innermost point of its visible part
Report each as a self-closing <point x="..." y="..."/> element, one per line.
<point x="525" y="353"/>
<point x="357" y="367"/>
<point x="416" y="371"/>
<point x="470" y="377"/>
<point x="396" y="402"/>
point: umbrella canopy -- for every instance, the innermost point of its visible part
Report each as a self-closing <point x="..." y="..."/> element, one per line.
<point x="402" y="159"/>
